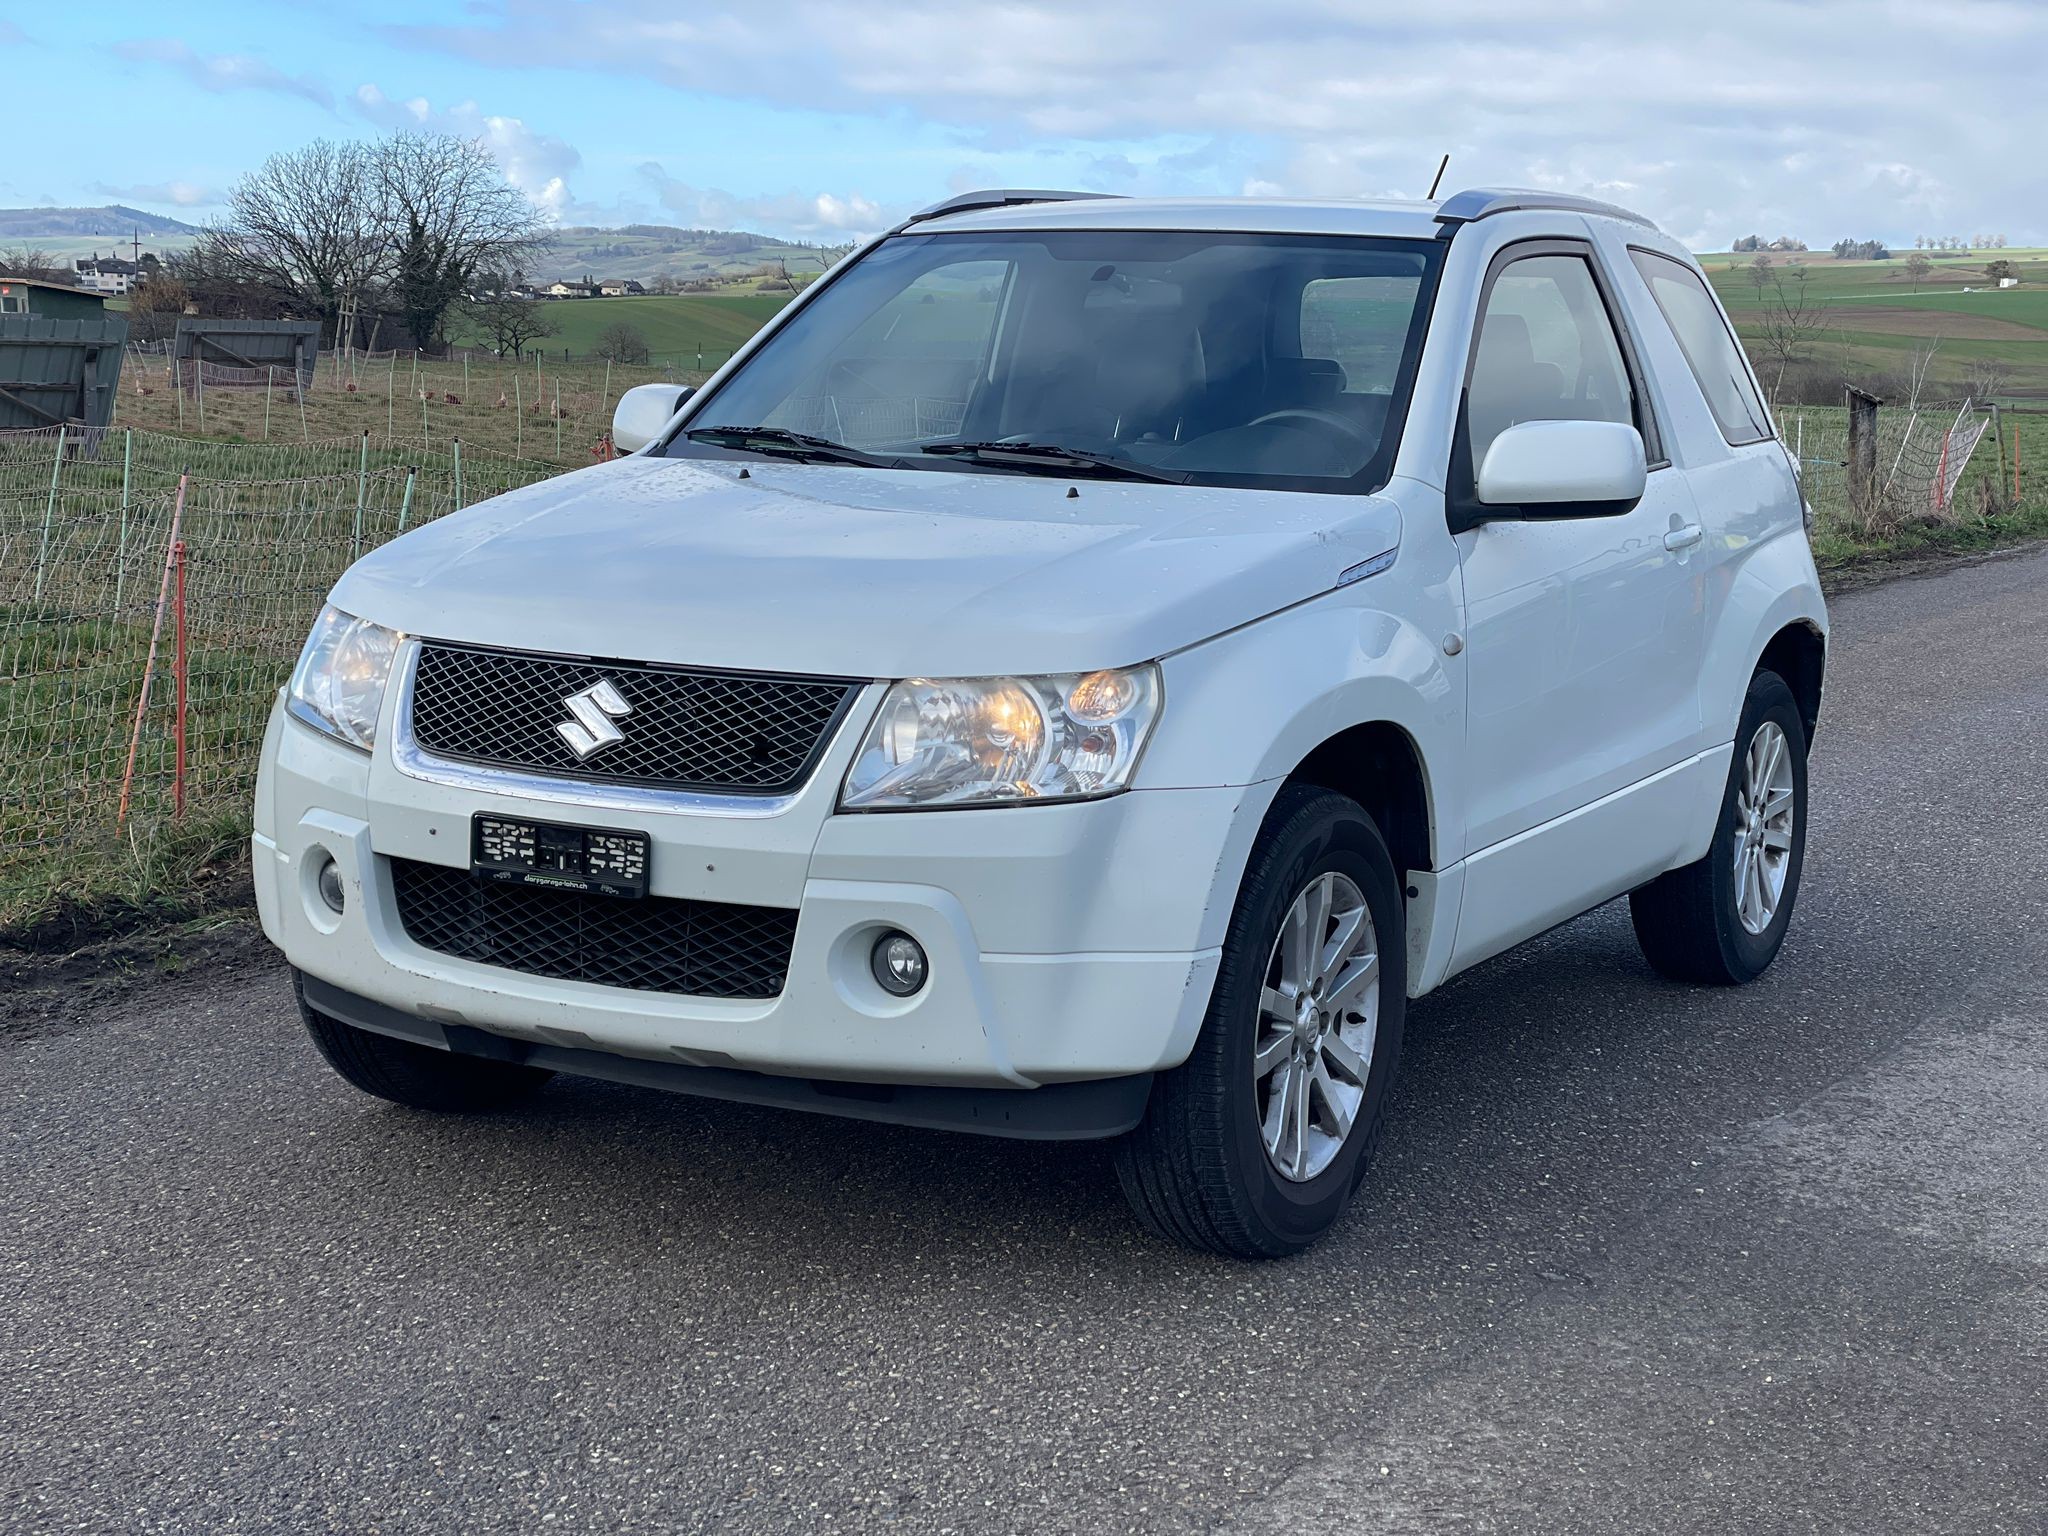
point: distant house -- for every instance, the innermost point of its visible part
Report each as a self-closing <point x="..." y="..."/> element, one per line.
<point x="619" y="288"/>
<point x="53" y="301"/>
<point x="569" y="290"/>
<point x="109" y="274"/>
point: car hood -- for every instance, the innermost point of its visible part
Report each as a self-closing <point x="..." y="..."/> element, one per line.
<point x="859" y="572"/>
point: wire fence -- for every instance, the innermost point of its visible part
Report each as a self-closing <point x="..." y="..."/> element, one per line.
<point x="544" y="408"/>
<point x="1928" y="462"/>
<point x="103" y="567"/>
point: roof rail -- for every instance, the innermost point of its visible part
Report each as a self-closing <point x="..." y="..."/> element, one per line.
<point x="996" y="197"/>
<point x="1484" y="202"/>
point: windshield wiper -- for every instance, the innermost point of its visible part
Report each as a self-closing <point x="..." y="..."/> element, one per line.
<point x="803" y="446"/>
<point x="1051" y="456"/>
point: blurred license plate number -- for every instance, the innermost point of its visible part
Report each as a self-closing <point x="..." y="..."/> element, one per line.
<point x="551" y="856"/>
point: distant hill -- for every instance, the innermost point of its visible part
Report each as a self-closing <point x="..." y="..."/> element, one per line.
<point x="639" y="251"/>
<point x="647" y="251"/>
<point x="113" y="222"/>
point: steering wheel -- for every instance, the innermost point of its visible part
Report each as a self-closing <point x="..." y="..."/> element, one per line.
<point x="1302" y="413"/>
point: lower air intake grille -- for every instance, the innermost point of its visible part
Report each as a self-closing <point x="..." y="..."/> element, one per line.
<point x="693" y="948"/>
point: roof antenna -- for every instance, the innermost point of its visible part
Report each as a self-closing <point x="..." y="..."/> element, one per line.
<point x="1439" y="181"/>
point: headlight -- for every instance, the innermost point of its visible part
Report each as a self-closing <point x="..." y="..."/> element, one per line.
<point x="1004" y="740"/>
<point x="338" y="685"/>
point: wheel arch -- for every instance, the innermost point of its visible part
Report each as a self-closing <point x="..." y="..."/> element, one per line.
<point x="1378" y="764"/>
<point x="1798" y="653"/>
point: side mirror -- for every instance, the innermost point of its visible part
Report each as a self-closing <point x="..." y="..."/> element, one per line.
<point x="643" y="411"/>
<point x="1563" y="469"/>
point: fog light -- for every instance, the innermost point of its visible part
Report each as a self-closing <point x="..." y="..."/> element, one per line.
<point x="329" y="882"/>
<point x="898" y="963"/>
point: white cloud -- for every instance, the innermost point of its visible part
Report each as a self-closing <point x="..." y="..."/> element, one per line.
<point x="1823" y="118"/>
<point x="222" y="72"/>
<point x="822" y="215"/>
<point x="538" y="164"/>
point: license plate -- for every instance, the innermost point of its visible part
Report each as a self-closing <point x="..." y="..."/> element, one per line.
<point x="551" y="856"/>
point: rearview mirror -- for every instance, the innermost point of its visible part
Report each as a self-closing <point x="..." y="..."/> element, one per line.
<point x="643" y="411"/>
<point x="1563" y="469"/>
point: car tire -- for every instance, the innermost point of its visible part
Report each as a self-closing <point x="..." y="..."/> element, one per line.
<point x="417" y="1076"/>
<point x="1720" y="921"/>
<point x="1202" y="1168"/>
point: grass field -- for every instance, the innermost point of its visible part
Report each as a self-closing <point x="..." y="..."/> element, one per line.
<point x="1877" y="319"/>
<point x="676" y="329"/>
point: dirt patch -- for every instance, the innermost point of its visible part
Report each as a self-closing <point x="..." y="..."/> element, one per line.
<point x="44" y="994"/>
<point x="1887" y="320"/>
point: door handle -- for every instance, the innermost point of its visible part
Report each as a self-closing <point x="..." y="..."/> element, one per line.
<point x="1683" y="538"/>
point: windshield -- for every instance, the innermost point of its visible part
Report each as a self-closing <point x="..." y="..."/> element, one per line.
<point x="1279" y="361"/>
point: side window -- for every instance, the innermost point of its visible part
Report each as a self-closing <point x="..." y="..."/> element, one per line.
<point x="1703" y="337"/>
<point x="1547" y="352"/>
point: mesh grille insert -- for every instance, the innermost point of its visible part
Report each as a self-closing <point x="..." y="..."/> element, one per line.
<point x="655" y="944"/>
<point x="720" y="731"/>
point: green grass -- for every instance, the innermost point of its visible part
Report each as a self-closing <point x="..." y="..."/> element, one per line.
<point x="1840" y="549"/>
<point x="674" y="328"/>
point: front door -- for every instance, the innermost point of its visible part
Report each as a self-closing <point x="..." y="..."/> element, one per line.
<point x="1583" y="635"/>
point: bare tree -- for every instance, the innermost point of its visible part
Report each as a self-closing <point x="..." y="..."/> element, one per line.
<point x="36" y="266"/>
<point x="154" y="308"/>
<point x="1790" y="322"/>
<point x="1917" y="268"/>
<point x="622" y="344"/>
<point x="512" y="324"/>
<point x="446" y="213"/>
<point x="1760" y="273"/>
<point x="1987" y="378"/>
<point x="301" y="227"/>
<point x="1918" y="371"/>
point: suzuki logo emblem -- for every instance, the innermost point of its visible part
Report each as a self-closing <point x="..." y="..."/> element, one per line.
<point x="594" y="708"/>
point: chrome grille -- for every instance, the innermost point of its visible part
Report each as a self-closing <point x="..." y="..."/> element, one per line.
<point x="735" y="732"/>
<point x="654" y="944"/>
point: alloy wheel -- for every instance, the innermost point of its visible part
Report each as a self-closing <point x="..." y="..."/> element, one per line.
<point x="1318" y="1018"/>
<point x="1764" y="812"/>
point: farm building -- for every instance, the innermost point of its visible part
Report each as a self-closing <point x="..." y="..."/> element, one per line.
<point x="52" y="301"/>
<point x="619" y="287"/>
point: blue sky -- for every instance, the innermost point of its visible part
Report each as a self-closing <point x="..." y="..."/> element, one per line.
<point x="823" y="119"/>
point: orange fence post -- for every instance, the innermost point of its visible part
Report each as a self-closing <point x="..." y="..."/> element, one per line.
<point x="178" y="669"/>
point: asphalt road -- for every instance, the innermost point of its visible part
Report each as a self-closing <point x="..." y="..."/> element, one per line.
<point x="1636" y="1256"/>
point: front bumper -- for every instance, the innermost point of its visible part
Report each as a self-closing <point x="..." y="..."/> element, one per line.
<point x="1067" y="943"/>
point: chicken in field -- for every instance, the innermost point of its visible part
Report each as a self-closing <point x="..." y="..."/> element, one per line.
<point x="350" y="386"/>
<point x="453" y="399"/>
<point x="501" y="400"/>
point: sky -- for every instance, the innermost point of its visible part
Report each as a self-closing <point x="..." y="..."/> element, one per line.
<point x="825" y="121"/>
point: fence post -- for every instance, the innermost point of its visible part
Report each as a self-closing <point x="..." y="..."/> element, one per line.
<point x="1998" y="445"/>
<point x="269" y="375"/>
<point x="49" y="512"/>
<point x="465" y="375"/>
<point x="1941" y="474"/>
<point x="458" y="474"/>
<point x="149" y="662"/>
<point x="121" y="556"/>
<point x="362" y="490"/>
<point x="558" y="415"/>
<point x="405" y="506"/>
<point x="518" y="419"/>
<point x="1862" y="451"/>
<point x="178" y="388"/>
<point x="178" y="673"/>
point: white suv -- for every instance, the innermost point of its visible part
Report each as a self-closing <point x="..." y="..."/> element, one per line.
<point x="1078" y="673"/>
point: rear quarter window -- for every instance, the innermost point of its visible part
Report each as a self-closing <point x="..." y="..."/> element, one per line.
<point x="1710" y="349"/>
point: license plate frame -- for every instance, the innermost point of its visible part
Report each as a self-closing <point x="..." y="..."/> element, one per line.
<point x="559" y="856"/>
